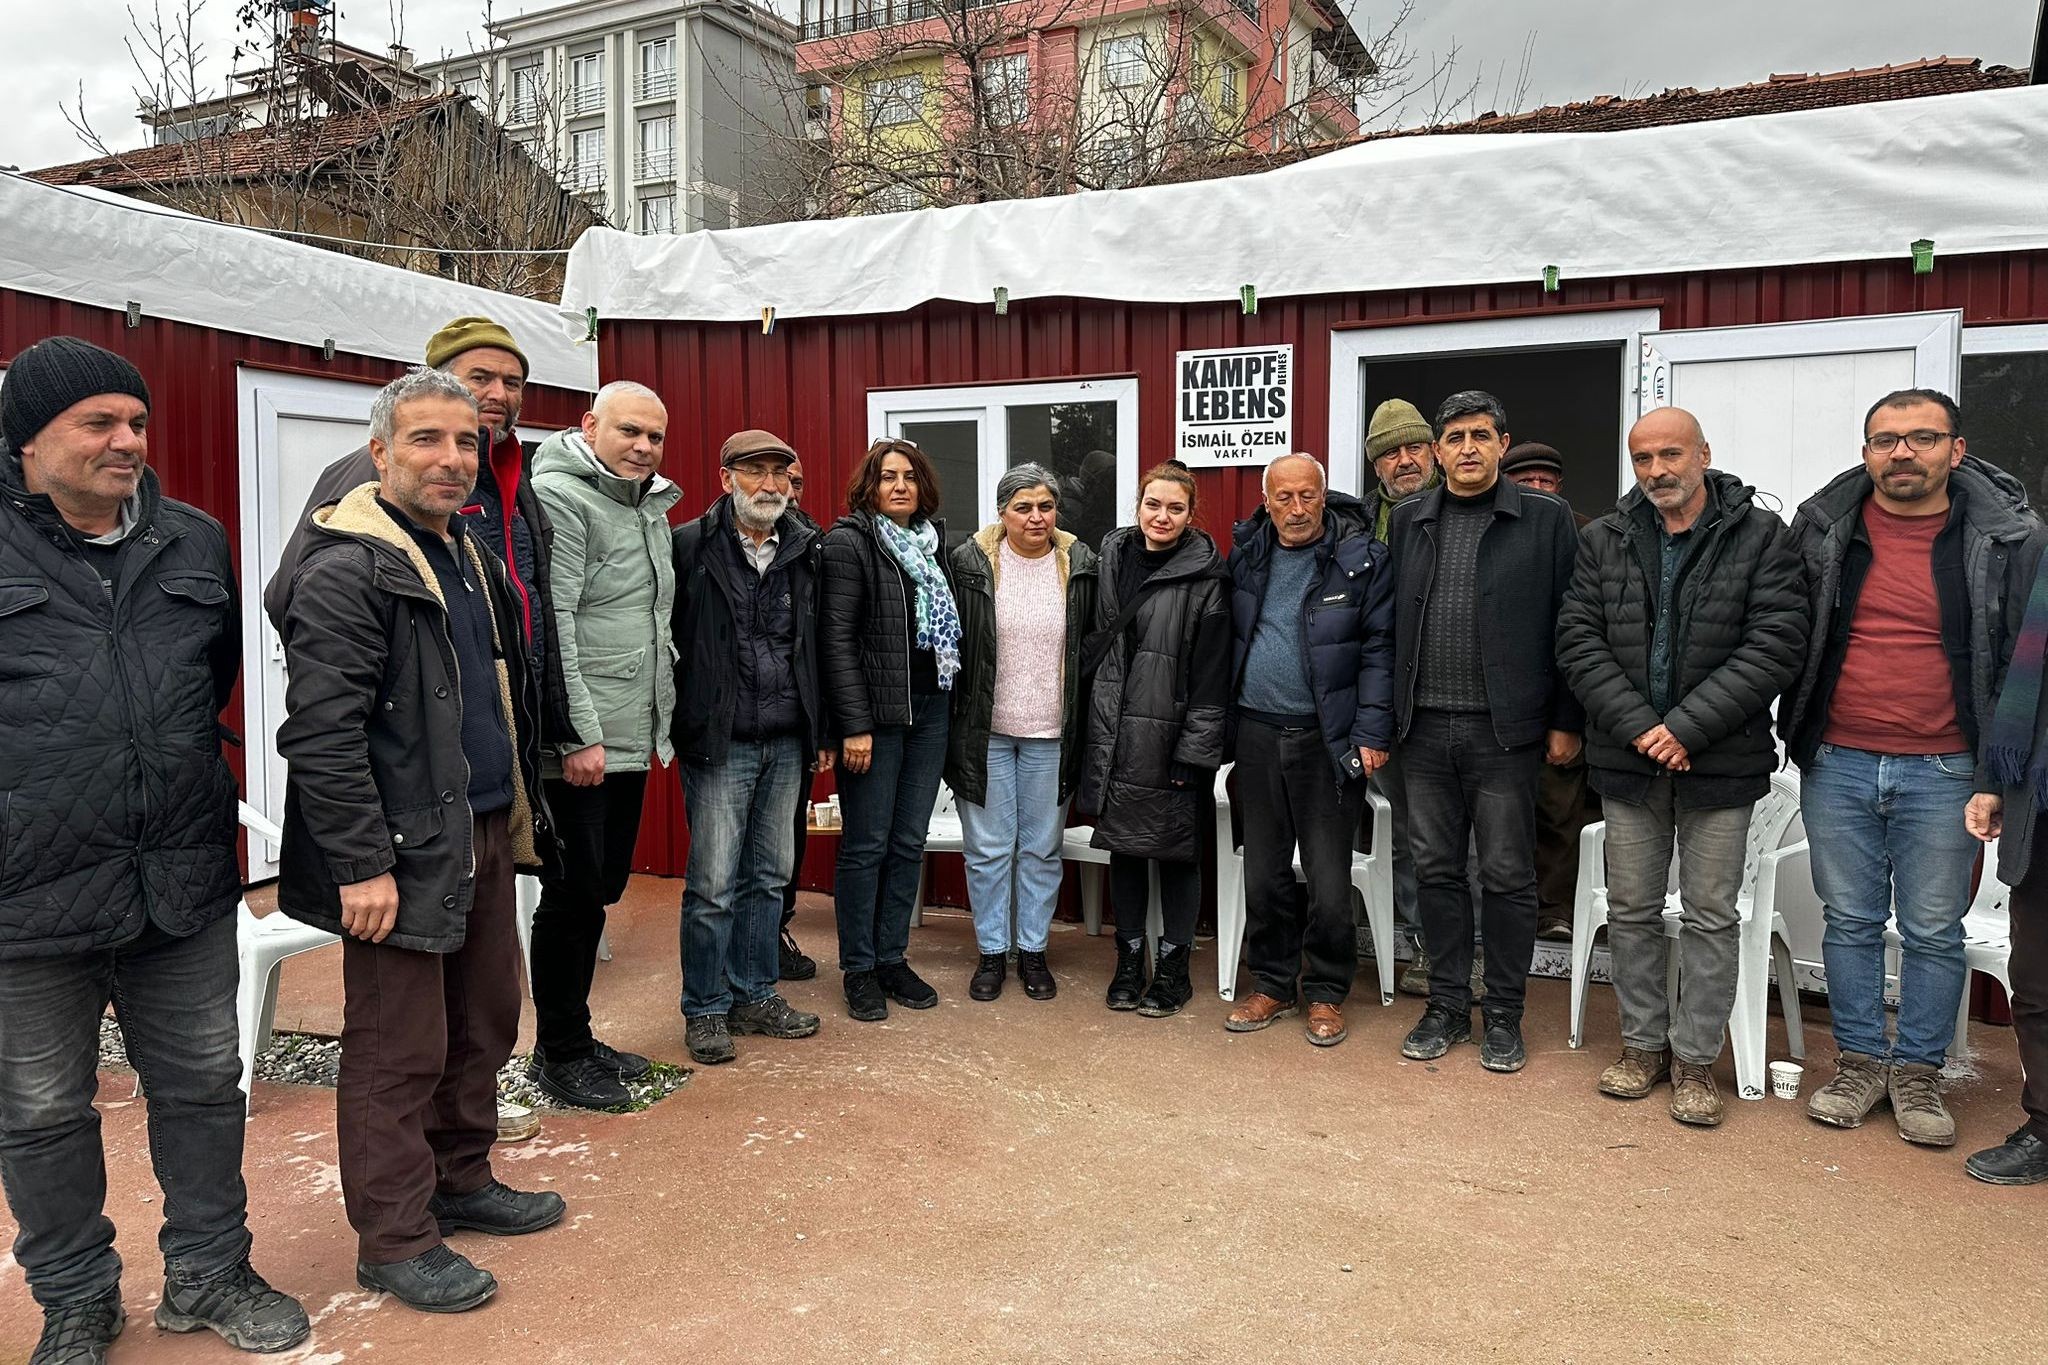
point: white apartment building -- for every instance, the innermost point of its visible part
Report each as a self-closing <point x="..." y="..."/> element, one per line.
<point x="669" y="116"/>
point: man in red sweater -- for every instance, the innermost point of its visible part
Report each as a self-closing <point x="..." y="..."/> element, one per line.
<point x="1914" y="559"/>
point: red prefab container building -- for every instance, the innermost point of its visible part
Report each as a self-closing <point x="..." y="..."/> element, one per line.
<point x="1774" y="274"/>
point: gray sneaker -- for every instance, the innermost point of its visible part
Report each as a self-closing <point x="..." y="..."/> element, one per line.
<point x="708" y="1040"/>
<point x="1859" y="1084"/>
<point x="1916" y="1103"/>
<point x="771" y="1018"/>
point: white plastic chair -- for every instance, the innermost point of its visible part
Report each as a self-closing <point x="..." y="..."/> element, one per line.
<point x="261" y="946"/>
<point x="1372" y="878"/>
<point x="946" y="835"/>
<point x="1764" y="941"/>
<point x="1987" y="948"/>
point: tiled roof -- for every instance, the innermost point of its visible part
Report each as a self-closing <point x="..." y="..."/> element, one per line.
<point x="250" y="153"/>
<point x="1608" y="113"/>
<point x="1780" y="94"/>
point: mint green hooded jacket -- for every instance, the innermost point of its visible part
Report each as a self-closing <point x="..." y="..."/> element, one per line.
<point x="614" y="584"/>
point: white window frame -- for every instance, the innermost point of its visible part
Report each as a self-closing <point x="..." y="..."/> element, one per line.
<point x="1993" y="339"/>
<point x="529" y="89"/>
<point x="1120" y="71"/>
<point x="989" y="405"/>
<point x="1352" y="346"/>
<point x="651" y="86"/>
<point x="1226" y="88"/>
<point x="587" y="172"/>
<point x="587" y="63"/>
<point x="656" y="163"/>
<point x="1009" y="106"/>
<point x="894" y="101"/>
<point x="649" y="202"/>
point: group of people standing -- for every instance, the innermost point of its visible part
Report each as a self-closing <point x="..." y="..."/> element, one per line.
<point x="489" y="651"/>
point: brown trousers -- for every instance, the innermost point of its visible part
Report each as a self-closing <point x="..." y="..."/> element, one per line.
<point x="422" y="1038"/>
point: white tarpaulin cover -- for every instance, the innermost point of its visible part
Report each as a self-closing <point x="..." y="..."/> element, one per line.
<point x="97" y="248"/>
<point x="1858" y="182"/>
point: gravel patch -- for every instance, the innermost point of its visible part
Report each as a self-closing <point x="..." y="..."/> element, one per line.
<point x="308" y="1059"/>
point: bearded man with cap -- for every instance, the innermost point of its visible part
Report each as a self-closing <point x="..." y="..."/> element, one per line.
<point x="748" y="723"/>
<point x="507" y="519"/>
<point x="120" y="641"/>
<point x="1565" y="804"/>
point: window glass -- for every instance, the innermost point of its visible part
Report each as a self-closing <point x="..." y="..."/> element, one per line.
<point x="1077" y="442"/>
<point x="2002" y="418"/>
<point x="953" y="445"/>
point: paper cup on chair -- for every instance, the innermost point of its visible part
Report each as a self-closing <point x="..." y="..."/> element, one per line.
<point x="1785" y="1078"/>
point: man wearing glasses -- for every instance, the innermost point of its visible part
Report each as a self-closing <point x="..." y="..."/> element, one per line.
<point x="747" y="727"/>
<point x="1918" y="562"/>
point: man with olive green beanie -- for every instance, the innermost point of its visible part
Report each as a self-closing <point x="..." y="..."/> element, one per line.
<point x="1398" y="444"/>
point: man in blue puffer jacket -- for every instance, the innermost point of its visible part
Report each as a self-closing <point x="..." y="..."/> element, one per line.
<point x="1312" y="632"/>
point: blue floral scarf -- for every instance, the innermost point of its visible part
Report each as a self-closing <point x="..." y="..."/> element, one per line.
<point x="916" y="548"/>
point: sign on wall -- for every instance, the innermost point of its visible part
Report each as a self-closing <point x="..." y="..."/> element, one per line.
<point x="1234" y="406"/>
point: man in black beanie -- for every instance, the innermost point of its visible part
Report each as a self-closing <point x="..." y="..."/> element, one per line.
<point x="120" y="640"/>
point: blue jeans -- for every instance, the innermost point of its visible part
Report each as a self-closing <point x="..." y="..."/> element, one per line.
<point x="175" y="999"/>
<point x="1887" y="835"/>
<point x="1013" y="844"/>
<point x="741" y="851"/>
<point x="888" y="812"/>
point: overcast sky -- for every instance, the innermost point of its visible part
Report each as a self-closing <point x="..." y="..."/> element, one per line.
<point x="1574" y="49"/>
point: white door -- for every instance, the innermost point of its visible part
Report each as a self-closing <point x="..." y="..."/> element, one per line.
<point x="292" y="427"/>
<point x="1782" y="404"/>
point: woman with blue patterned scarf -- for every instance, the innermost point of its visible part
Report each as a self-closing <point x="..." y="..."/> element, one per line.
<point x="888" y="651"/>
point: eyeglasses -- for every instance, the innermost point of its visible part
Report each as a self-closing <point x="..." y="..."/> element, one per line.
<point x="1885" y="442"/>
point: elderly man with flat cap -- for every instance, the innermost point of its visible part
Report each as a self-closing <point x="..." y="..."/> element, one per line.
<point x="748" y="726"/>
<point x="505" y="515"/>
<point x="120" y="639"/>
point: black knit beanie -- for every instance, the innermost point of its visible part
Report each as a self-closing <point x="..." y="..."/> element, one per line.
<point x="53" y="374"/>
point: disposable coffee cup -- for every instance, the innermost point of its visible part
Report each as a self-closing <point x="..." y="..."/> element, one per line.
<point x="1785" y="1079"/>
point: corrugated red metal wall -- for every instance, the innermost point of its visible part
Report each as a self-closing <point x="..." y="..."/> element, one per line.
<point x="194" y="436"/>
<point x="809" y="381"/>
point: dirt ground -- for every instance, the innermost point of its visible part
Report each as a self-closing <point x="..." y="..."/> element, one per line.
<point x="1025" y="1181"/>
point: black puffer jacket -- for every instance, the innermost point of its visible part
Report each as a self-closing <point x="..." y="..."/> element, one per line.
<point x="532" y="537"/>
<point x="116" y="808"/>
<point x="373" y="736"/>
<point x="1525" y="564"/>
<point x="1984" y="561"/>
<point x="974" y="690"/>
<point x="708" y="663"/>
<point x="1347" y="629"/>
<point x="1738" y="632"/>
<point x="867" y="627"/>
<point x="1148" y="743"/>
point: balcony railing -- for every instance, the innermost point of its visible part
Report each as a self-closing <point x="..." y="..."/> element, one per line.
<point x="584" y="178"/>
<point x="884" y="13"/>
<point x="656" y="85"/>
<point x="587" y="99"/>
<point x="655" y="166"/>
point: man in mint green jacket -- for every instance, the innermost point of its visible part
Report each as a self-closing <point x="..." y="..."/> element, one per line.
<point x="614" y="586"/>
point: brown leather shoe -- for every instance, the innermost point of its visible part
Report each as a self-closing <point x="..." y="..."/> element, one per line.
<point x="1694" y="1097"/>
<point x="1257" y="1012"/>
<point x="1325" y="1024"/>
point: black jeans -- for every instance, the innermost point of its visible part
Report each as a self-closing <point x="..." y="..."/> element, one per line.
<point x="1290" y="797"/>
<point x="598" y="827"/>
<point x="1130" y="897"/>
<point x="175" y="999"/>
<point x="1461" y="783"/>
